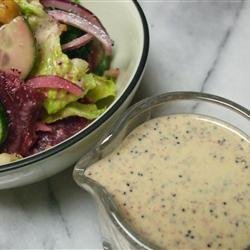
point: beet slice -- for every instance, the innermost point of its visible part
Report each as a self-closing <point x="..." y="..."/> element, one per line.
<point x="58" y="132"/>
<point x="23" y="105"/>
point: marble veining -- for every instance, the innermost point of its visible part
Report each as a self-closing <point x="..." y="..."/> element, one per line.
<point x="195" y="45"/>
<point x="222" y="45"/>
<point x="191" y="45"/>
<point x="52" y="214"/>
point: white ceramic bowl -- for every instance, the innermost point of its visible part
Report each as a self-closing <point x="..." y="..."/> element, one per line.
<point x="127" y="26"/>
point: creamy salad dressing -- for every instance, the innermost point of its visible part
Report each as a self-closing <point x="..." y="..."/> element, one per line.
<point x="182" y="182"/>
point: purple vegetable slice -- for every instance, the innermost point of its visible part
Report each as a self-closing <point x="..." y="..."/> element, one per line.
<point x="85" y="25"/>
<point x="54" y="82"/>
<point x="23" y="106"/>
<point x="58" y="132"/>
<point x="78" y="42"/>
<point x="75" y="8"/>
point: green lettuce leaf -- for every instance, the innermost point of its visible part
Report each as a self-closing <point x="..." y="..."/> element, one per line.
<point x="50" y="58"/>
<point x="99" y="90"/>
<point x="31" y="7"/>
<point x="104" y="91"/>
<point x="88" y="111"/>
<point x="58" y="99"/>
<point x="52" y="61"/>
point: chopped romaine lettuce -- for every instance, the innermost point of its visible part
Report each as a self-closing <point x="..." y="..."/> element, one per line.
<point x="31" y="7"/>
<point x="57" y="99"/>
<point x="76" y="1"/>
<point x="104" y="88"/>
<point x="52" y="61"/>
<point x="89" y="81"/>
<point x="88" y="111"/>
<point x="99" y="90"/>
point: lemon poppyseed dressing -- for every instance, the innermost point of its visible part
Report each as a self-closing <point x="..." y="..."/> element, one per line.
<point x="182" y="182"/>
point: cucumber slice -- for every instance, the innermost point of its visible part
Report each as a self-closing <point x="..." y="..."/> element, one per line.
<point x="17" y="47"/>
<point x="3" y="125"/>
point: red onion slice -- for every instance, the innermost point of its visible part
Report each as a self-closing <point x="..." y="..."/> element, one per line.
<point x="85" y="25"/>
<point x="55" y="82"/>
<point x="77" y="9"/>
<point x="78" y="42"/>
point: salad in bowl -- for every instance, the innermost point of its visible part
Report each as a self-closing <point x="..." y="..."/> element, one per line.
<point x="55" y="74"/>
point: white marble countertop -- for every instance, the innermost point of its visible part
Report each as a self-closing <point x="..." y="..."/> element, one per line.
<point x="199" y="46"/>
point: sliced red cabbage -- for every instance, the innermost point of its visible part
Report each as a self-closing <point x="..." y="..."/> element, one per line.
<point x="23" y="105"/>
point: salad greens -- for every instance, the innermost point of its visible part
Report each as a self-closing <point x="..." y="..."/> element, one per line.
<point x="89" y="111"/>
<point x="52" y="61"/>
<point x="55" y="74"/>
<point x="30" y="8"/>
<point x="103" y="88"/>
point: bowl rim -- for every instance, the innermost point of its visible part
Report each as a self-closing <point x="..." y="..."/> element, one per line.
<point x="97" y="153"/>
<point x="85" y="132"/>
